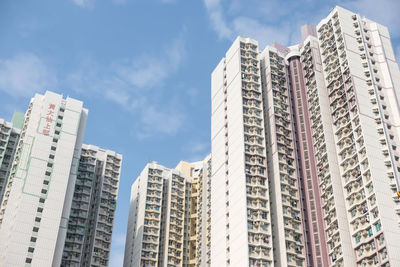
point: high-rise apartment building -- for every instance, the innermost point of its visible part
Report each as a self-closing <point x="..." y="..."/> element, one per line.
<point x="157" y="214"/>
<point x="362" y="81"/>
<point x="169" y="216"/>
<point x="35" y="209"/>
<point x="91" y="219"/>
<point x="240" y="201"/>
<point x="305" y="149"/>
<point x="199" y="245"/>
<point x="9" y="135"/>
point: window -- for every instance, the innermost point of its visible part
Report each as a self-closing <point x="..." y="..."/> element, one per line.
<point x="36" y="229"/>
<point x="53" y="148"/>
<point x="40" y="210"/>
<point x="51" y="156"/>
<point x="28" y="260"/>
<point x="33" y="239"/>
<point x="48" y="173"/>
<point x="378" y="226"/>
<point x="37" y="219"/>
<point x="31" y="249"/>
<point x="41" y="200"/>
<point x="46" y="182"/>
<point x="44" y="191"/>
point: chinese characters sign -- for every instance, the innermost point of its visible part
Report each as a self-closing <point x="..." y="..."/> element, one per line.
<point x="48" y="119"/>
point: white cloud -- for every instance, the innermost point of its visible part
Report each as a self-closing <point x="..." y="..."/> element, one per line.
<point x="90" y="3"/>
<point x="199" y="146"/>
<point x="25" y="74"/>
<point x="196" y="150"/>
<point x="248" y="19"/>
<point x="164" y="121"/>
<point x="135" y="84"/>
<point x="27" y="29"/>
<point x="151" y="71"/>
<point x="214" y="9"/>
<point x="385" y="12"/>
<point x="274" y="20"/>
<point x="84" y="3"/>
<point x="263" y="33"/>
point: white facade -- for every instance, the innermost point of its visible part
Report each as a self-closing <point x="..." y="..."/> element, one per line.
<point x="333" y="221"/>
<point x="240" y="214"/>
<point x="158" y="212"/>
<point x="360" y="68"/>
<point x="199" y="212"/>
<point x="283" y="175"/>
<point x="36" y="205"/>
<point x="326" y="132"/>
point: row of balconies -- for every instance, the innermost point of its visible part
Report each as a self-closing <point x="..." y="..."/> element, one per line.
<point x="249" y="62"/>
<point x="250" y="70"/>
<point x="248" y="53"/>
<point x="250" y="94"/>
<point x="256" y="192"/>
<point x="255" y="180"/>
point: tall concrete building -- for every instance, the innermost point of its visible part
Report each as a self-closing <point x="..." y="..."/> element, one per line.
<point x="91" y="219"/>
<point x="9" y="136"/>
<point x="37" y="201"/>
<point x="199" y="227"/>
<point x="240" y="201"/>
<point x="157" y="214"/>
<point x="362" y="81"/>
<point x="305" y="144"/>
<point x="169" y="216"/>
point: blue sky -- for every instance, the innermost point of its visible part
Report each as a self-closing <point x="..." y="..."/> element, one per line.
<point x="142" y="67"/>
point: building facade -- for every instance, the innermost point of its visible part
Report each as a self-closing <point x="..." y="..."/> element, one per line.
<point x="240" y="200"/>
<point x="155" y="234"/>
<point x="9" y="136"/>
<point x="362" y="80"/>
<point x="37" y="201"/>
<point x="199" y="227"/>
<point x="305" y="144"/>
<point x="91" y="220"/>
<point x="169" y="216"/>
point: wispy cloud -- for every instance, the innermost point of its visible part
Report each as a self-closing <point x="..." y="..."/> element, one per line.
<point x="229" y="19"/>
<point x="280" y="21"/>
<point x="264" y="33"/>
<point x="196" y="150"/>
<point x="25" y="74"/>
<point x="27" y="29"/>
<point x="90" y="3"/>
<point x="385" y="12"/>
<point x="135" y="85"/>
<point x="84" y="3"/>
<point x="150" y="70"/>
<point x="167" y="121"/>
<point x="216" y="15"/>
